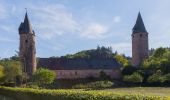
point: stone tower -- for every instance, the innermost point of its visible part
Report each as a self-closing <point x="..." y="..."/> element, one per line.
<point x="27" y="51"/>
<point x="139" y="42"/>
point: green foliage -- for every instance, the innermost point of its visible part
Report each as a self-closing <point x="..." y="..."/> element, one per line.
<point x="1" y="71"/>
<point x="94" y="85"/>
<point x="43" y="76"/>
<point x="160" y="60"/>
<point x="12" y="69"/>
<point x="35" y="94"/>
<point x="104" y="76"/>
<point x="122" y="60"/>
<point x="128" y="70"/>
<point x="159" y="52"/>
<point x="100" y="52"/>
<point x="134" y="78"/>
<point x="156" y="78"/>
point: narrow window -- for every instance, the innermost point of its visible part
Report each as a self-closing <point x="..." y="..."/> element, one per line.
<point x="140" y="35"/>
<point x="26" y="41"/>
<point x="133" y="36"/>
<point x="75" y="72"/>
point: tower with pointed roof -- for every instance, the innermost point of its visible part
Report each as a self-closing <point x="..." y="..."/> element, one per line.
<point x="27" y="51"/>
<point x="139" y="42"/>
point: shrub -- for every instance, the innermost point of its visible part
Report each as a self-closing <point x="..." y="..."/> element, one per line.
<point x="43" y="76"/>
<point x="167" y="76"/>
<point x="156" y="78"/>
<point x="95" y="85"/>
<point x="35" y="94"/>
<point x="104" y="76"/>
<point x="134" y="78"/>
<point x="128" y="70"/>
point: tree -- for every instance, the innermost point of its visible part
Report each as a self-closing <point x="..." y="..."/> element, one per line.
<point x="160" y="60"/>
<point x="43" y="76"/>
<point x="12" y="69"/>
<point x="1" y="73"/>
<point x="134" y="78"/>
<point x="156" y="78"/>
<point x="122" y="60"/>
<point x="159" y="52"/>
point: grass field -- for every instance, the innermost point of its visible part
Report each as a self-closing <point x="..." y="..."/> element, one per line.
<point x="146" y="91"/>
<point x="160" y="91"/>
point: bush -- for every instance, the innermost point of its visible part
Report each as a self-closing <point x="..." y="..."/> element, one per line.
<point x="12" y="69"/>
<point x="134" y="78"/>
<point x="94" y="85"/>
<point x="43" y="76"/>
<point x="128" y="70"/>
<point x="104" y="76"/>
<point x="156" y="78"/>
<point x="35" y="94"/>
<point x="167" y="76"/>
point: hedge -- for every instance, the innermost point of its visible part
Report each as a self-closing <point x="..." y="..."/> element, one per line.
<point x="35" y="94"/>
<point x="94" y="85"/>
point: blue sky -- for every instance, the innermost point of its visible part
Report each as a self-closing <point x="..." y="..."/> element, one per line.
<point x="68" y="26"/>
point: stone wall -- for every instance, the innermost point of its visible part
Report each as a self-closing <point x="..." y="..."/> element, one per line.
<point x="72" y="74"/>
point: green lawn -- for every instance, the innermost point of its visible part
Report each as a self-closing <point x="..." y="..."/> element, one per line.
<point x="160" y="91"/>
<point x="135" y="93"/>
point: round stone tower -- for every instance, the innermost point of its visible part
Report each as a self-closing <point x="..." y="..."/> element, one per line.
<point x="27" y="52"/>
<point x="139" y="42"/>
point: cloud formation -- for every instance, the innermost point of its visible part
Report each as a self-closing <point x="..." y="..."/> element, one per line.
<point x="53" y="20"/>
<point x="94" y="31"/>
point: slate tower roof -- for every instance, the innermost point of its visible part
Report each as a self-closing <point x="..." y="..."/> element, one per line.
<point x="25" y="27"/>
<point x="139" y="26"/>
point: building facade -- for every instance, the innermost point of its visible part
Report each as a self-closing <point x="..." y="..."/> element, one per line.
<point x="72" y="68"/>
<point x="139" y="42"/>
<point x="27" y="51"/>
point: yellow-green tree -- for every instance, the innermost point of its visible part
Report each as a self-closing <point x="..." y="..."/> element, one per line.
<point x="122" y="60"/>
<point x="43" y="76"/>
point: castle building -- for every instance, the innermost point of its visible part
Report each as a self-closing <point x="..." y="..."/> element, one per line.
<point x="27" y="51"/>
<point x="72" y="68"/>
<point x="139" y="42"/>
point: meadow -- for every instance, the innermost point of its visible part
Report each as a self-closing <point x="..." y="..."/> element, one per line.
<point x="135" y="93"/>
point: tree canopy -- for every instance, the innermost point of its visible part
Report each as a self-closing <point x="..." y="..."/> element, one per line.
<point x="43" y="76"/>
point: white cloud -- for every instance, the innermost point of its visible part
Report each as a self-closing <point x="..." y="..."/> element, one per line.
<point x="94" y="31"/>
<point x="54" y="20"/>
<point x="116" y="19"/>
<point x="122" y="48"/>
